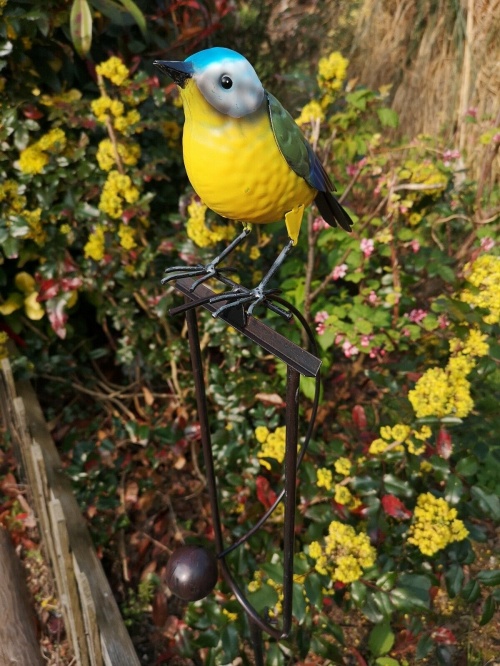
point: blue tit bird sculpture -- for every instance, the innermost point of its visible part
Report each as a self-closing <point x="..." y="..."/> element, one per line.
<point x="246" y="159"/>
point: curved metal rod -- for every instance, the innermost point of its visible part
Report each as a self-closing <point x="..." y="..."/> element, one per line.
<point x="307" y="439"/>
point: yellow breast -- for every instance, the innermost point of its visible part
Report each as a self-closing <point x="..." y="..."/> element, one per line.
<point x="235" y="165"/>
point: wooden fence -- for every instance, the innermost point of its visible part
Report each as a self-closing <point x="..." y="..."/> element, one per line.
<point x="92" y="619"/>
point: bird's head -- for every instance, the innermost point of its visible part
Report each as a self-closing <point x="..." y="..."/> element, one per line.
<point x="225" y="78"/>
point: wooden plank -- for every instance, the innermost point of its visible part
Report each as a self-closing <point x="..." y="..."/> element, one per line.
<point x="112" y="630"/>
<point x="18" y="641"/>
<point x="89" y="615"/>
<point x="69" y="597"/>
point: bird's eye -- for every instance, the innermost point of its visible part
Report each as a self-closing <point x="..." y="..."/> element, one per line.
<point x="226" y="82"/>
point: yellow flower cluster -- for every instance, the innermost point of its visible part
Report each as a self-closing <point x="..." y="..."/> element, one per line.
<point x="273" y="445"/>
<point x="310" y="113"/>
<point x="104" y="108"/>
<point x="54" y="140"/>
<point x="172" y="131"/>
<point x="324" y="478"/>
<point x="484" y="275"/>
<point x="343" y="466"/>
<point x="36" y="232"/>
<point x="393" y="438"/>
<point x="444" y="392"/>
<point x="344" y="496"/>
<point x="423" y="173"/>
<point x="199" y="232"/>
<point x="11" y="196"/>
<point x="106" y="158"/>
<point x="126" y="123"/>
<point x="34" y="158"/>
<point x="117" y="190"/>
<point x="435" y="525"/>
<point x="231" y="617"/>
<point x="114" y="70"/>
<point x="332" y="71"/>
<point x="344" y="555"/>
<point x="474" y="345"/>
<point x="94" y="247"/>
<point x="127" y="237"/>
<point x="67" y="97"/>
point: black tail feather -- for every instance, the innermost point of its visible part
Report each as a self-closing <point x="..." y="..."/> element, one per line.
<point x="331" y="211"/>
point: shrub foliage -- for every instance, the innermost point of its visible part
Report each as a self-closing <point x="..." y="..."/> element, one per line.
<point x="398" y="493"/>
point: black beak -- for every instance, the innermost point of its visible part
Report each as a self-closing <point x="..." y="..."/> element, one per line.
<point x="178" y="70"/>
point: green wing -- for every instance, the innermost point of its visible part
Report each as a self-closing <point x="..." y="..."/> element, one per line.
<point x="301" y="158"/>
<point x="295" y="148"/>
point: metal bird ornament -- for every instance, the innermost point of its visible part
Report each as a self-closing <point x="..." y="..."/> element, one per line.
<point x="246" y="158"/>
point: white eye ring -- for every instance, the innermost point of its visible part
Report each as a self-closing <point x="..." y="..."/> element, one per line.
<point x="226" y="82"/>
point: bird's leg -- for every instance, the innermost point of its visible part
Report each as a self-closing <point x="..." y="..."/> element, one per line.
<point x="210" y="270"/>
<point x="255" y="296"/>
<point x="293" y="220"/>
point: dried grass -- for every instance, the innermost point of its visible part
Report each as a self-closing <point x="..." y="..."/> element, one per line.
<point x="442" y="57"/>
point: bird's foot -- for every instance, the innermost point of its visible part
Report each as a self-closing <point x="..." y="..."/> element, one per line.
<point x="240" y="297"/>
<point x="206" y="272"/>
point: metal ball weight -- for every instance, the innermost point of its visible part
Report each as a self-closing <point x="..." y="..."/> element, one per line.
<point x="191" y="572"/>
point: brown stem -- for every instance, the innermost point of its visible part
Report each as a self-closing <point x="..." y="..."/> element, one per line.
<point x="110" y="129"/>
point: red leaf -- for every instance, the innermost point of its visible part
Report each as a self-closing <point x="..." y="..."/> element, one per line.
<point x="358" y="656"/>
<point x="394" y="507"/>
<point x="443" y="636"/>
<point x="265" y="494"/>
<point x="48" y="289"/>
<point x="444" y="444"/>
<point x="160" y="609"/>
<point x="32" y="112"/>
<point x="359" y="417"/>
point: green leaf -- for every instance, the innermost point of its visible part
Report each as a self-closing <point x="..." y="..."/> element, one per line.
<point x="488" y="502"/>
<point x="412" y="592"/>
<point x="454" y="577"/>
<point x="387" y="661"/>
<point x="489" y="577"/>
<point x="381" y="639"/>
<point x="308" y="387"/>
<point x="230" y="642"/>
<point x="358" y="592"/>
<point x="299" y="602"/>
<point x="324" y="648"/>
<point x="467" y="466"/>
<point x="424" y="646"/>
<point x="274" y="656"/>
<point x="139" y="18"/>
<point x="488" y="610"/>
<point x="208" y="638"/>
<point x="471" y="591"/>
<point x="358" y="98"/>
<point x="395" y="486"/>
<point x="388" y="117"/>
<point x="313" y="587"/>
<point x="454" y="490"/>
<point x="80" y="24"/>
<point x="264" y="597"/>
